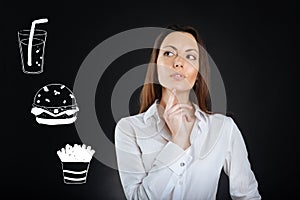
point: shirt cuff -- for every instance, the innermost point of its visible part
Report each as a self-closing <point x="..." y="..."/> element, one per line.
<point x="174" y="157"/>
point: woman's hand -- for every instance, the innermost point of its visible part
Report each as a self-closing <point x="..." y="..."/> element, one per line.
<point x="179" y="120"/>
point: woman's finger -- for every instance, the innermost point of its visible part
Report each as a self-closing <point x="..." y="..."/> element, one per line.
<point x="188" y="118"/>
<point x="180" y="112"/>
<point x="179" y="106"/>
<point x="171" y="100"/>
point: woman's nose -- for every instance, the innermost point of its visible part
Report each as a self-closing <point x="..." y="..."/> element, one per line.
<point x="178" y="63"/>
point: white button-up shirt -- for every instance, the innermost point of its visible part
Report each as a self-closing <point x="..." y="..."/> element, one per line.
<point x="152" y="167"/>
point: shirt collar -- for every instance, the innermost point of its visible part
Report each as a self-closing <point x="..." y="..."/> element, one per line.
<point x="156" y="111"/>
<point x="151" y="111"/>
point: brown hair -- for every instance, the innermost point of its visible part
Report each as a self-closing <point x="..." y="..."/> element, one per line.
<point x="151" y="91"/>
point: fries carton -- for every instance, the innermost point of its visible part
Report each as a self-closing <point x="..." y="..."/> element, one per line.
<point x="75" y="162"/>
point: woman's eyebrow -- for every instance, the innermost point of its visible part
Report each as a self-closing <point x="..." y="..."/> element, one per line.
<point x="171" y="47"/>
<point x="191" y="50"/>
<point x="188" y="50"/>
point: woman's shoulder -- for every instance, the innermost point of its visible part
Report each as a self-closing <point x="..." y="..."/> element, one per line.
<point x="219" y="116"/>
<point x="132" y="125"/>
<point x="225" y="120"/>
<point x="131" y="120"/>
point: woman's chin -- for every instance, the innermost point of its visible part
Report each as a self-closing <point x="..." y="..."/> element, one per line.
<point x="177" y="87"/>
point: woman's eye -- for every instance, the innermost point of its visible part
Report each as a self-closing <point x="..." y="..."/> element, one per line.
<point x="168" y="53"/>
<point x="191" y="57"/>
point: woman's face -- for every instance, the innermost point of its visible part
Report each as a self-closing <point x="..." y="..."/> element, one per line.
<point x="178" y="61"/>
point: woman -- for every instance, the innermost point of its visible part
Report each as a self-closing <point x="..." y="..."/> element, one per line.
<point x="175" y="147"/>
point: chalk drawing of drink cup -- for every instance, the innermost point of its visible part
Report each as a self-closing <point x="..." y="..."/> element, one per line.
<point x="32" y="48"/>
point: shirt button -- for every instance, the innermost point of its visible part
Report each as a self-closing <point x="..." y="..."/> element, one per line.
<point x="182" y="164"/>
<point x="180" y="182"/>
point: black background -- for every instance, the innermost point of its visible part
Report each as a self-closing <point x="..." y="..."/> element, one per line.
<point x="252" y="43"/>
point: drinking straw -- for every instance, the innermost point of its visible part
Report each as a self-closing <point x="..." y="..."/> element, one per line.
<point x="38" y="21"/>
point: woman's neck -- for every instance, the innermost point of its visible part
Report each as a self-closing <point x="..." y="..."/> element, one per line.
<point x="182" y="96"/>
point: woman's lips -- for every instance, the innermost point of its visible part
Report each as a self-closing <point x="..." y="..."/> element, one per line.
<point x="178" y="76"/>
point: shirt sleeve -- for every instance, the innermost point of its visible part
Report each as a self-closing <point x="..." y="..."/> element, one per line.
<point x="160" y="180"/>
<point x="242" y="181"/>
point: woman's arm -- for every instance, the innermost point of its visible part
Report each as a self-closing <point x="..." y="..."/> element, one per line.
<point x="243" y="185"/>
<point x="159" y="181"/>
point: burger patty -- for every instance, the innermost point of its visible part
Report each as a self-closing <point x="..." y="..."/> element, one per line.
<point x="56" y="110"/>
<point x="47" y="116"/>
